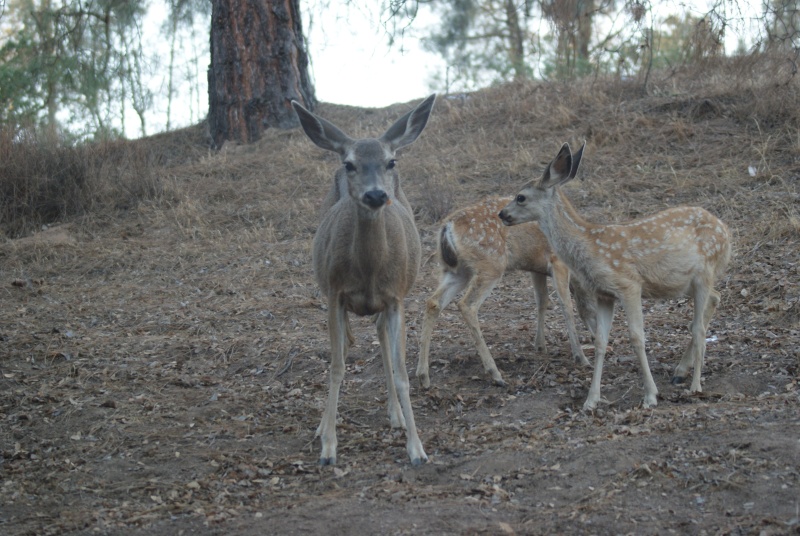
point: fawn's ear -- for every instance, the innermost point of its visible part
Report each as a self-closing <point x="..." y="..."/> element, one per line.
<point x="563" y="168"/>
<point x="408" y="128"/>
<point x="576" y="161"/>
<point x="324" y="133"/>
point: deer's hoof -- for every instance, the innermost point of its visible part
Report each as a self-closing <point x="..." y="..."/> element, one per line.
<point x="677" y="380"/>
<point x="424" y="381"/>
<point x="649" y="402"/>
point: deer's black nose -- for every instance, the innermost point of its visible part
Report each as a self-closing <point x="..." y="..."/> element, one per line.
<point x="375" y="198"/>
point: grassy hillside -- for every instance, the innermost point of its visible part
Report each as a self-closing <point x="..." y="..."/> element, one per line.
<point x="163" y="347"/>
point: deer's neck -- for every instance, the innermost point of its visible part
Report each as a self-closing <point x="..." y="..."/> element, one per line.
<point x="561" y="221"/>
<point x="370" y="241"/>
<point x="569" y="236"/>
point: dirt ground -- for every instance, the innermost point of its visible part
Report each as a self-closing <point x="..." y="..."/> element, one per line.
<point x="164" y="368"/>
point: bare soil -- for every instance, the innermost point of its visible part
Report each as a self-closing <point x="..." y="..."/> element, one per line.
<point x="163" y="369"/>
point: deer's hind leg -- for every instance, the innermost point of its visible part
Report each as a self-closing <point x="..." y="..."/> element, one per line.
<point x="694" y="356"/>
<point x="477" y="291"/>
<point x="605" y="315"/>
<point x="396" y="419"/>
<point x="450" y="284"/>
<point x="632" y="303"/>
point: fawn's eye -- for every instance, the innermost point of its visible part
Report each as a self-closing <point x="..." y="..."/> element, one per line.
<point x="391" y="164"/>
<point x="349" y="166"/>
<point x="520" y="199"/>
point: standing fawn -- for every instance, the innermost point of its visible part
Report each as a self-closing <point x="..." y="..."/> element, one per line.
<point x="680" y="251"/>
<point x="366" y="256"/>
<point x="475" y="250"/>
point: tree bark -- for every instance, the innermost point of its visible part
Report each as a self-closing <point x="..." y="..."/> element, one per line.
<point x="258" y="65"/>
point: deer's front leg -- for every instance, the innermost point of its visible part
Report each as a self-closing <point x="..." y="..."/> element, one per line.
<point x="540" y="294"/>
<point x="337" y="328"/>
<point x="561" y="283"/>
<point x="396" y="335"/>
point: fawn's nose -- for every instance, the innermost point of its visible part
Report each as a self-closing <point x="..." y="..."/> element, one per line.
<point x="504" y="217"/>
<point x="375" y="198"/>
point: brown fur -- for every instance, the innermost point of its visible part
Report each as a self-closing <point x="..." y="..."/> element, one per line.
<point x="677" y="252"/>
<point x="476" y="249"/>
<point x="366" y="256"/>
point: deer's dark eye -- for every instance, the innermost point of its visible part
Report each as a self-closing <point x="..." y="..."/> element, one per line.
<point x="349" y="166"/>
<point x="391" y="164"/>
<point x="520" y="199"/>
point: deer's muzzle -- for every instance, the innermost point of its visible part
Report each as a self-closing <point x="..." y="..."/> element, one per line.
<point x="375" y="198"/>
<point x="506" y="217"/>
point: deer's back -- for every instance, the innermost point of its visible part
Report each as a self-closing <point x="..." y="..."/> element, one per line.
<point x="476" y="236"/>
<point x="665" y="253"/>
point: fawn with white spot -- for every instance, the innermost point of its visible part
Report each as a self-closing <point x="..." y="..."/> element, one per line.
<point x="475" y="249"/>
<point x="680" y="251"/>
<point x="366" y="257"/>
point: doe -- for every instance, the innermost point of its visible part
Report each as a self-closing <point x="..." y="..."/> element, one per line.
<point x="475" y="249"/>
<point x="680" y="251"/>
<point x="366" y="256"/>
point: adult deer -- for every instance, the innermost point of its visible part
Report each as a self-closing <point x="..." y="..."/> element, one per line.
<point x="680" y="251"/>
<point x="475" y="250"/>
<point x="366" y="256"/>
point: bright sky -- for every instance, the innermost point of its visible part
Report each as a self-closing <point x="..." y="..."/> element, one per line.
<point x="353" y="64"/>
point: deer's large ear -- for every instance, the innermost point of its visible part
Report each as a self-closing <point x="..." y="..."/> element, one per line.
<point x="576" y="161"/>
<point x="324" y="133"/>
<point x="562" y="169"/>
<point x="408" y="128"/>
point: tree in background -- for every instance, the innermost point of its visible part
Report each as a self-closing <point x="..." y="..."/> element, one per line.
<point x="572" y="21"/>
<point x="663" y="44"/>
<point x="487" y="41"/>
<point x="68" y="63"/>
<point x="258" y="65"/>
<point x="183" y="14"/>
<point x="782" y="24"/>
<point x="483" y="41"/>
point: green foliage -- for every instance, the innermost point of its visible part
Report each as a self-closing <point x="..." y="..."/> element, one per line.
<point x="61" y="63"/>
<point x="79" y="65"/>
<point x="566" y="39"/>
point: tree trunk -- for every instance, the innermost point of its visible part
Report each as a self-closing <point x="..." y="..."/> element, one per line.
<point x="258" y="65"/>
<point x="516" y="41"/>
<point x="585" y="16"/>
